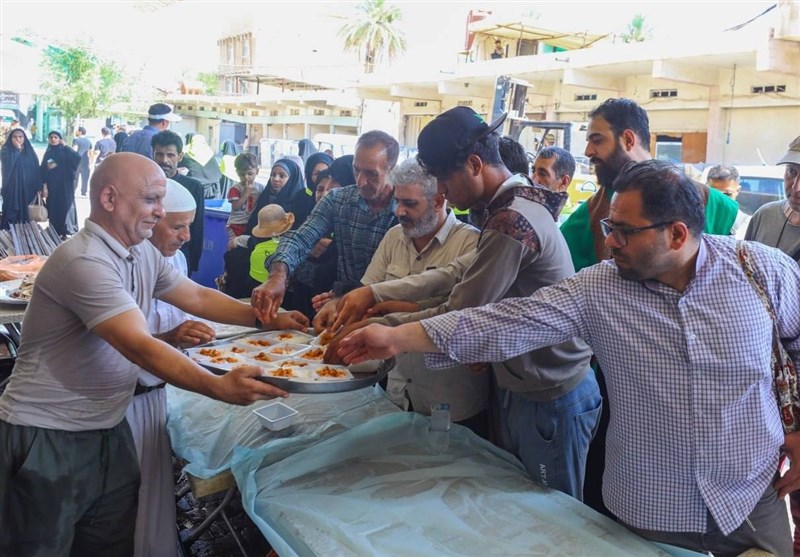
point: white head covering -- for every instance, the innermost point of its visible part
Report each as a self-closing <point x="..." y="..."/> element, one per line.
<point x="178" y="199"/>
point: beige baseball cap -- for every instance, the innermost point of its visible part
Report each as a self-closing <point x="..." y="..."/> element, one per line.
<point x="793" y="154"/>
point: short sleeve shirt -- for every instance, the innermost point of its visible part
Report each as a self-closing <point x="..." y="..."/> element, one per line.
<point x="105" y="146"/>
<point x="66" y="377"/>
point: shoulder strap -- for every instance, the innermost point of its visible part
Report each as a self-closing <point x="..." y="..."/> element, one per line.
<point x="753" y="277"/>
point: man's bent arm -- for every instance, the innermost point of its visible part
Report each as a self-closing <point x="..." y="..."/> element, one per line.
<point x="209" y="304"/>
<point x="128" y="334"/>
<point x="433" y="283"/>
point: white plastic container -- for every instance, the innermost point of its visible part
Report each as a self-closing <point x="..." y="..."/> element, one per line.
<point x="276" y="415"/>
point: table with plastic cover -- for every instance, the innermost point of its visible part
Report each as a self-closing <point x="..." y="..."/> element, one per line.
<point x="207" y="432"/>
<point x="390" y="487"/>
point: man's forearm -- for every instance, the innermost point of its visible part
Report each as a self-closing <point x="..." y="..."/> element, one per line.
<point x="219" y="307"/>
<point x="411" y="337"/>
<point x="131" y="338"/>
<point x="279" y="268"/>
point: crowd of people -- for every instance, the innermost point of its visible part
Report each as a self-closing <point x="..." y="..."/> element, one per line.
<point x="625" y="357"/>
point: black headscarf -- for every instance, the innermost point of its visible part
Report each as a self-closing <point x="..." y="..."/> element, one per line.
<point x="342" y="170"/>
<point x="229" y="147"/>
<point x="21" y="180"/>
<point x="292" y="196"/>
<point x="313" y="161"/>
<point x="61" y="186"/>
<point x="306" y="148"/>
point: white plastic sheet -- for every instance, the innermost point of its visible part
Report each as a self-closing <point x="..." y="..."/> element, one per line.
<point x="205" y="432"/>
<point x="384" y="489"/>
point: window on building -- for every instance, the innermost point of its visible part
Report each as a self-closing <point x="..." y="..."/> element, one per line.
<point x="346" y="112"/>
<point x="464" y="103"/>
<point x="663" y="93"/>
<point x="273" y="112"/>
<point x="319" y="112"/>
<point x="586" y="97"/>
<point x="294" y="112"/>
<point x="760" y="89"/>
<point x="246" y="49"/>
<point x="230" y="52"/>
<point x="244" y="87"/>
<point x="420" y="103"/>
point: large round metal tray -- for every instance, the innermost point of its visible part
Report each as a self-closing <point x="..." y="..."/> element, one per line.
<point x="360" y="379"/>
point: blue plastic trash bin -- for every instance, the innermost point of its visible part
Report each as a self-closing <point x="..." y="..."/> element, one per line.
<point x="215" y="241"/>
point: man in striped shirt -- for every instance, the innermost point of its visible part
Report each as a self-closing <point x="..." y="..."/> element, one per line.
<point x="695" y="435"/>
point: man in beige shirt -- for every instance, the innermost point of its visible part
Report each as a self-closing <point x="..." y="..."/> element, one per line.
<point x="428" y="237"/>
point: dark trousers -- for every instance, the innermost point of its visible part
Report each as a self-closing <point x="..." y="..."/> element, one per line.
<point x="82" y="175"/>
<point x="65" y="493"/>
<point x="596" y="458"/>
<point x="766" y="528"/>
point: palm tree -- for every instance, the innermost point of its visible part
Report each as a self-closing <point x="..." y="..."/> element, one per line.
<point x="372" y="33"/>
<point x="637" y="31"/>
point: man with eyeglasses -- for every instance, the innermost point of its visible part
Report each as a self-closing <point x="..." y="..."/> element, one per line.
<point x="618" y="133"/>
<point x="684" y="341"/>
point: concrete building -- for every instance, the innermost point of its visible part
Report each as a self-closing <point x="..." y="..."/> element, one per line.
<point x="262" y="98"/>
<point x="729" y="98"/>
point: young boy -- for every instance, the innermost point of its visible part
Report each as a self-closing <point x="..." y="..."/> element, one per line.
<point x="244" y="194"/>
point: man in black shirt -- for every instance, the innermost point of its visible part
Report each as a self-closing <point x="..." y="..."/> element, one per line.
<point x="167" y="153"/>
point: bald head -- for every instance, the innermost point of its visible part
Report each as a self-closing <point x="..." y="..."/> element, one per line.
<point x="126" y="195"/>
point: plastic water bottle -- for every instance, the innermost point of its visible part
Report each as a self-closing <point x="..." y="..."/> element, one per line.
<point x="439" y="432"/>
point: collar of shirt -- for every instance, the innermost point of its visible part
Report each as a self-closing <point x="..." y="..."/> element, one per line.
<point x="511" y="182"/>
<point x="440" y="237"/>
<point x="702" y="256"/>
<point x="96" y="230"/>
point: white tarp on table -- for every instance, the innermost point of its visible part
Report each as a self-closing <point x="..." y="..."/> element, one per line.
<point x="205" y="432"/>
<point x="383" y="489"/>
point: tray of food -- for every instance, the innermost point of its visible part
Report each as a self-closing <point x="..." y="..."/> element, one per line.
<point x="17" y="291"/>
<point x="291" y="366"/>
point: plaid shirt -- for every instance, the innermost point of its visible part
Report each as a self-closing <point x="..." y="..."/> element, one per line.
<point x="694" y="421"/>
<point x="356" y="230"/>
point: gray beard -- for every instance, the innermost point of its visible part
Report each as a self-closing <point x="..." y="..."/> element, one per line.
<point x="423" y="227"/>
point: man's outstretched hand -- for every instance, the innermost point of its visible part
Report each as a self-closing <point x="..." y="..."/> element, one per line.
<point x="267" y="298"/>
<point x="352" y="307"/>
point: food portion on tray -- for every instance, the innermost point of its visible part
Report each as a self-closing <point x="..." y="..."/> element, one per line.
<point x="275" y="355"/>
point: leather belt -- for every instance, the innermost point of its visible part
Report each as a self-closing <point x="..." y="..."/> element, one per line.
<point x="144" y="389"/>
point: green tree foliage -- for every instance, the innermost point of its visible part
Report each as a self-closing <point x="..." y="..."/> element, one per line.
<point x="79" y="83"/>
<point x="637" y="31"/>
<point x="373" y="33"/>
<point x="210" y="81"/>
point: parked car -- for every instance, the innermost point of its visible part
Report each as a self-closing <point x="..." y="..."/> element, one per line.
<point x="760" y="185"/>
<point x="579" y="190"/>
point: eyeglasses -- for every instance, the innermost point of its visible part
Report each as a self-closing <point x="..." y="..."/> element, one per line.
<point x="621" y="234"/>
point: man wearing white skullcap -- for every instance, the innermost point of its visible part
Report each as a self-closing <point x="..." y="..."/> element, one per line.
<point x="155" y="520"/>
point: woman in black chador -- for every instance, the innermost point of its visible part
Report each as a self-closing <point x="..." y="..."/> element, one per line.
<point x="21" y="178"/>
<point x="59" y="165"/>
